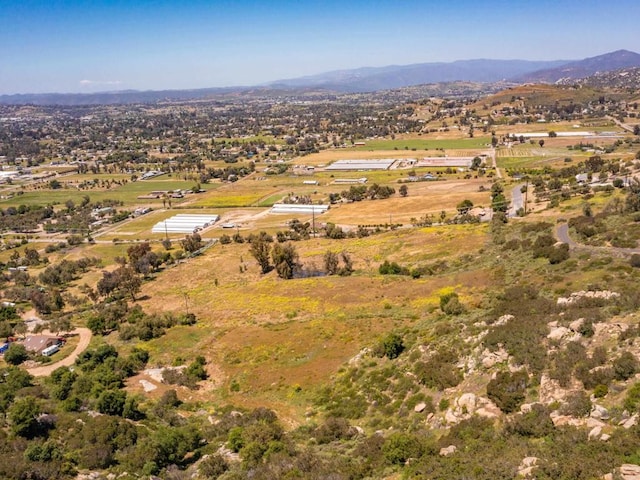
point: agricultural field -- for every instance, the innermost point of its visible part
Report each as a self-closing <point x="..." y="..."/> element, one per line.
<point x="427" y="308"/>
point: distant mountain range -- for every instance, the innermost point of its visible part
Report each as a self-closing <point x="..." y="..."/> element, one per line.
<point x="394" y="76"/>
<point x="368" y="79"/>
<point x="583" y="68"/>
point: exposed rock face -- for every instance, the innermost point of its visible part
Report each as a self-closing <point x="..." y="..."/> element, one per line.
<point x="559" y="333"/>
<point x="446" y="451"/>
<point x="577" y="296"/>
<point x="359" y="356"/>
<point x="468" y="404"/>
<point x="631" y="422"/>
<point x="629" y="471"/>
<point x="550" y="390"/>
<point x="503" y="320"/>
<point x="419" y="408"/>
<point x="599" y="413"/>
<point x="527" y="466"/>
<point x="560" y="420"/>
<point x="595" y="433"/>
<point x="489" y="359"/>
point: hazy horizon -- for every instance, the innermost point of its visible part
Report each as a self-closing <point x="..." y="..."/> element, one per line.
<point x="86" y="47"/>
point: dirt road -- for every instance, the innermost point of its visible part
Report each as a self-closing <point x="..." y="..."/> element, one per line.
<point x="85" y="338"/>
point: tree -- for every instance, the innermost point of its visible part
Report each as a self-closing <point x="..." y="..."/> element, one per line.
<point x="16" y="354"/>
<point x="192" y="243"/>
<point x="138" y="251"/>
<point x="123" y="281"/>
<point x="499" y="202"/>
<point x="636" y="130"/>
<point x="391" y="346"/>
<point x="404" y="190"/>
<point x="464" y="206"/>
<point x="24" y="417"/>
<point x="285" y="259"/>
<point x="541" y="143"/>
<point x="111" y="402"/>
<point x="260" y="250"/>
<point x="331" y="262"/>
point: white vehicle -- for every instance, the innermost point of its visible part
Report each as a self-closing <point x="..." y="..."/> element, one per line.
<point x="47" y="352"/>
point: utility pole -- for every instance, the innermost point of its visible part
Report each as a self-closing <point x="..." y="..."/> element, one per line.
<point x="526" y="191"/>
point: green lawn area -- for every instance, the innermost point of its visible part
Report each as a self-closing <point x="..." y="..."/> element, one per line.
<point x="127" y="193"/>
<point x="423" y="144"/>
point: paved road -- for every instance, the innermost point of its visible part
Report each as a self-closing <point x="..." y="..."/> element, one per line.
<point x="517" y="200"/>
<point x="562" y="234"/>
<point x="624" y="126"/>
<point x="85" y="338"/>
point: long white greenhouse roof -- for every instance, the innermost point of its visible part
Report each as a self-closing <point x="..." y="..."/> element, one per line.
<point x="298" y="208"/>
<point x="371" y="164"/>
<point x="185" y="223"/>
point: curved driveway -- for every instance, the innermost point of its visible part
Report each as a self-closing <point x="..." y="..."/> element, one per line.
<point x="562" y="234"/>
<point x="85" y="338"/>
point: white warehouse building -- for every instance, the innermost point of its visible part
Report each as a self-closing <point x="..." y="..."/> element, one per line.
<point x="185" y="223"/>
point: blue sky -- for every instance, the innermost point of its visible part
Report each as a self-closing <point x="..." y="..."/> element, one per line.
<point x="100" y="45"/>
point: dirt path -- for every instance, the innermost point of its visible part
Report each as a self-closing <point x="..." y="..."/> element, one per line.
<point x="85" y="338"/>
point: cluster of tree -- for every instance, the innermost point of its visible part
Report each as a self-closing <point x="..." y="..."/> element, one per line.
<point x="357" y="193"/>
<point x="332" y="263"/>
<point x="284" y="256"/>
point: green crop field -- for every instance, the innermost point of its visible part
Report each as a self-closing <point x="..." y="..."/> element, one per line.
<point x="424" y="144"/>
<point x="127" y="193"/>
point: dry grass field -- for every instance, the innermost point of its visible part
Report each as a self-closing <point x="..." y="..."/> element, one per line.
<point x="269" y="340"/>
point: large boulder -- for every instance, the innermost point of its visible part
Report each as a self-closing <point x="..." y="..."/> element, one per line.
<point x="446" y="451"/>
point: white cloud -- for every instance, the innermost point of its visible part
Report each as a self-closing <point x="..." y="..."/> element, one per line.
<point x="85" y="83"/>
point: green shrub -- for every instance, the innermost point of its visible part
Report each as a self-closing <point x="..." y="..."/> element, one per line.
<point x="632" y="400"/>
<point x="535" y="423"/>
<point x="399" y="447"/>
<point x="508" y="389"/>
<point x="625" y="366"/>
<point x="391" y="346"/>
<point x="600" y="391"/>
<point x="450" y="304"/>
<point x="577" y="405"/>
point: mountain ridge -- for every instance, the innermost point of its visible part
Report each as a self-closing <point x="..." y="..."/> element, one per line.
<point x="363" y="79"/>
<point x="584" y="68"/>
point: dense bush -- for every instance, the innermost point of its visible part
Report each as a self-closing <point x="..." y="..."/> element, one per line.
<point x="508" y="390"/>
<point x="391" y="346"/>
<point x="440" y="371"/>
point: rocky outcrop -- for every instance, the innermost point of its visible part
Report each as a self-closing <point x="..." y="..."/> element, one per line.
<point x="604" y="295"/>
<point x="446" y="451"/>
<point x="469" y="404"/>
<point x="488" y="359"/>
<point x="526" y="467"/>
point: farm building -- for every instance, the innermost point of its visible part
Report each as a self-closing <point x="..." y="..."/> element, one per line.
<point x="382" y="164"/>
<point x="452" y="162"/>
<point x="185" y="223"/>
<point x="350" y="181"/>
<point x="38" y="343"/>
<point x="546" y="134"/>
<point x="298" y="208"/>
